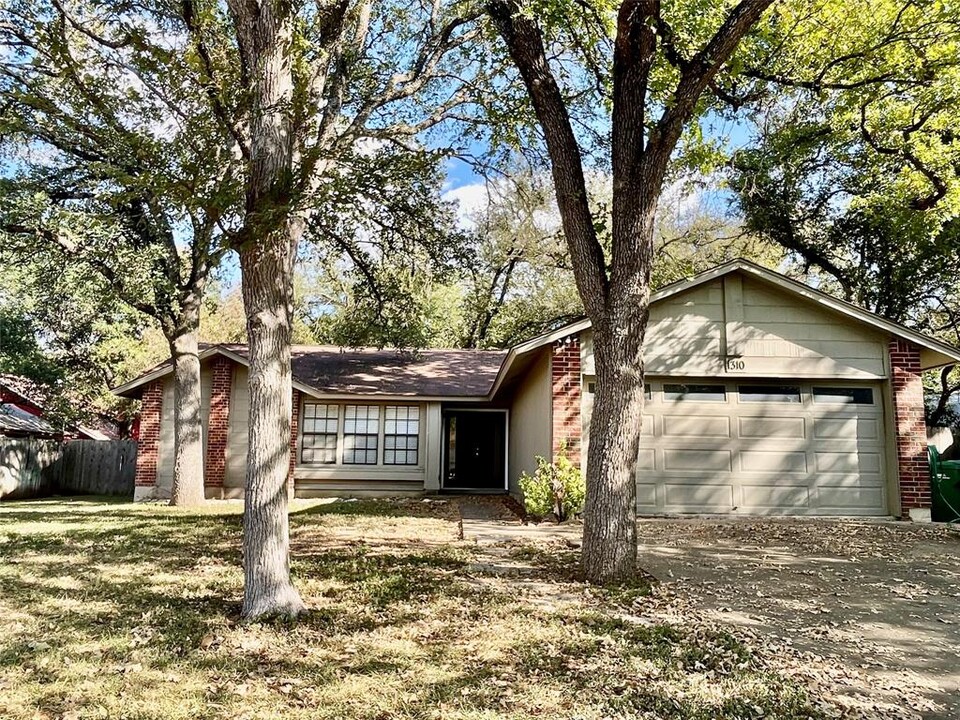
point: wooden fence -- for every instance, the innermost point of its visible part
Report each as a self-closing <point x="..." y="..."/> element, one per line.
<point x="39" y="468"/>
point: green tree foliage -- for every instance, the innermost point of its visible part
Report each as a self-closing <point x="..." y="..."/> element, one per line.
<point x="508" y="277"/>
<point x="115" y="163"/>
<point x="72" y="339"/>
<point x="856" y="163"/>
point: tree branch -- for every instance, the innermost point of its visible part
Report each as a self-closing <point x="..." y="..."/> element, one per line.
<point x="208" y="81"/>
<point x="525" y="44"/>
<point x="939" y="186"/>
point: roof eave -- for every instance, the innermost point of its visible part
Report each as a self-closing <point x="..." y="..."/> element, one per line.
<point x="534" y="344"/>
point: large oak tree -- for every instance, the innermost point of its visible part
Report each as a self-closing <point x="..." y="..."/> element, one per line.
<point x="654" y="85"/>
<point x="318" y="84"/>
<point x="636" y="85"/>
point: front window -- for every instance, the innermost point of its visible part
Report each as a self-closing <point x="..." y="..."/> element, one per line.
<point x="401" y="435"/>
<point x="361" y="428"/>
<point x="320" y="424"/>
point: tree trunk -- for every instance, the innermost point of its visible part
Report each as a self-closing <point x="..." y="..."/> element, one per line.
<point x="939" y="412"/>
<point x="267" y="268"/>
<point x="610" y="513"/>
<point x="187" y="427"/>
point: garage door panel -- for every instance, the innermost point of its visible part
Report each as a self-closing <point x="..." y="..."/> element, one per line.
<point x="766" y="427"/>
<point x="697" y="497"/>
<point x="696" y="426"/>
<point x="850" y="498"/>
<point x="646" y="459"/>
<point x="767" y="497"/>
<point x="848" y="462"/>
<point x="767" y="461"/>
<point x="647" y="426"/>
<point x="647" y="495"/>
<point x="851" y="480"/>
<point x="696" y="459"/>
<point x="849" y="427"/>
<point x="764" y="456"/>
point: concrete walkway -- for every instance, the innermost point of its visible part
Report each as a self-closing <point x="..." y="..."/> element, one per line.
<point x="494" y="521"/>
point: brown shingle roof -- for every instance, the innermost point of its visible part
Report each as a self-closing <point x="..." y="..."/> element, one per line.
<point x="368" y="371"/>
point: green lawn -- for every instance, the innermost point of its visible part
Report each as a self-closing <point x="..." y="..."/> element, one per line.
<point x="119" y="611"/>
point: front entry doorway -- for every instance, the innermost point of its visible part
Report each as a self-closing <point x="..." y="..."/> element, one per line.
<point x="475" y="450"/>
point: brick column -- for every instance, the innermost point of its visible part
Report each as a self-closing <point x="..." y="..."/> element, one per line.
<point x="566" y="377"/>
<point x="294" y="431"/>
<point x="913" y="468"/>
<point x="218" y="426"/>
<point x="148" y="439"/>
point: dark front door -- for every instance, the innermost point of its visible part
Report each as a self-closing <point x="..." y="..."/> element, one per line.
<point x="476" y="450"/>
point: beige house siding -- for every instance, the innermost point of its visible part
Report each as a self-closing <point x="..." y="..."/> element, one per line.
<point x="738" y="326"/>
<point x="235" y="477"/>
<point x="530" y="421"/>
<point x="432" y="447"/>
<point x="165" y="449"/>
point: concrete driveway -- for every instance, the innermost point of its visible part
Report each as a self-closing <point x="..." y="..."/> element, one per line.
<point x="879" y="597"/>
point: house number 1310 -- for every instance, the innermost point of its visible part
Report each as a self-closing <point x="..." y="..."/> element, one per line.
<point x="735" y="364"/>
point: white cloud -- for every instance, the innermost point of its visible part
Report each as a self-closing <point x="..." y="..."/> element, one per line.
<point x="471" y="199"/>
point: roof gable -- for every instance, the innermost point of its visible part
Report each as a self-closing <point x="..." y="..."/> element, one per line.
<point x="934" y="353"/>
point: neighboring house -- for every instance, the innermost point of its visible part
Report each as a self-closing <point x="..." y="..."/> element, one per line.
<point x="22" y="413"/>
<point x="16" y="422"/>
<point x="764" y="396"/>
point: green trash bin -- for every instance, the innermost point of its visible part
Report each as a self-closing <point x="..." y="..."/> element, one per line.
<point x="944" y="487"/>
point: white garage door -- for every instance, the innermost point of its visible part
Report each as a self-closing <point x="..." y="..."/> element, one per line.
<point x="759" y="448"/>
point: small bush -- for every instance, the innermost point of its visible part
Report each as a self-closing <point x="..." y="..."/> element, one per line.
<point x="555" y="488"/>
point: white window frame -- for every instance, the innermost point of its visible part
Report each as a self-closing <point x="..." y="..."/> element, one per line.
<point x="366" y="450"/>
<point x="341" y="405"/>
<point x="406" y="451"/>
<point x="302" y="419"/>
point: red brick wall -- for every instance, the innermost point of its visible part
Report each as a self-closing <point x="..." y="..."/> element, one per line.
<point x="294" y="430"/>
<point x="565" y="376"/>
<point x="148" y="442"/>
<point x="910" y="426"/>
<point x="218" y="424"/>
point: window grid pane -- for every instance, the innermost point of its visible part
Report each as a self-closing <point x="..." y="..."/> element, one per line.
<point x="769" y="393"/>
<point x="319" y="434"/>
<point x="401" y="435"/>
<point x="361" y="426"/>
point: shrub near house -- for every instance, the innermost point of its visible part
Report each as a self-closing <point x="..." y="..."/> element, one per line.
<point x="555" y="488"/>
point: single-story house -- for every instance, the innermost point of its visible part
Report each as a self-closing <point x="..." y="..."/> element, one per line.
<point x="23" y="414"/>
<point x="764" y="396"/>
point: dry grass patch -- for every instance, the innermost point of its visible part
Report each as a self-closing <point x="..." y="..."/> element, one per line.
<point x="121" y="611"/>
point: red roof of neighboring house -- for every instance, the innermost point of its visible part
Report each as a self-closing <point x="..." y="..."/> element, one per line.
<point x="14" y="420"/>
<point x="26" y="397"/>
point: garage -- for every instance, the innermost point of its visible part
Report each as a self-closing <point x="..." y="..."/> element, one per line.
<point x="759" y="447"/>
<point x="764" y="397"/>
